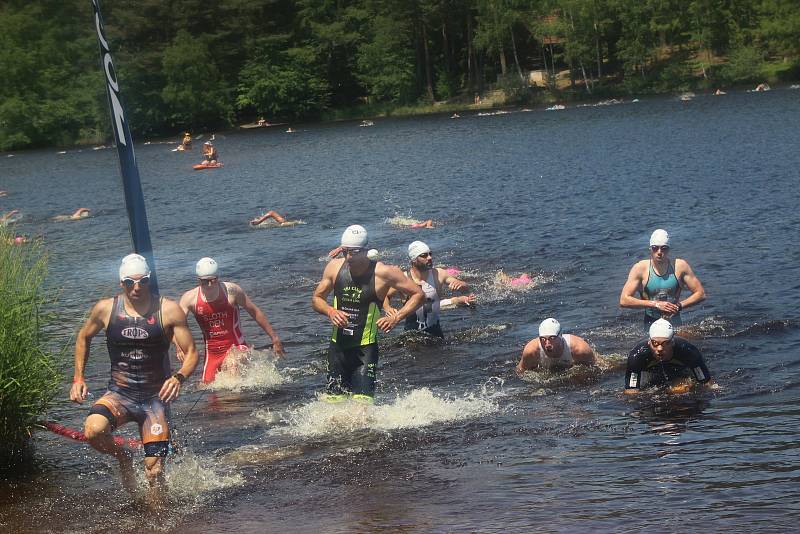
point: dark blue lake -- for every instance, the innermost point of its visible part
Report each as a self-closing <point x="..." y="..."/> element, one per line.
<point x="456" y="441"/>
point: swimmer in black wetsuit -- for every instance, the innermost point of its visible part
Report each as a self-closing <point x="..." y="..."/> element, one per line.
<point x="665" y="360"/>
<point x="359" y="285"/>
<point x="139" y="326"/>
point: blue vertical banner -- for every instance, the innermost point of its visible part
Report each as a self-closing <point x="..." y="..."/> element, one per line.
<point x="131" y="184"/>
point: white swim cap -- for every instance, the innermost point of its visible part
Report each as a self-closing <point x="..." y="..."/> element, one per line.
<point x="132" y="265"/>
<point x="416" y="248"/>
<point x="659" y="238"/>
<point x="549" y="327"/>
<point x="661" y="328"/>
<point x="206" y="268"/>
<point x="373" y="254"/>
<point x="355" y="236"/>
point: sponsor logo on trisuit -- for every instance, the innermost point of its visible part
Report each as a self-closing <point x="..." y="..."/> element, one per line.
<point x="134" y="332"/>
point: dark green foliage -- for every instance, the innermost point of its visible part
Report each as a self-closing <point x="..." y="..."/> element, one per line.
<point x="194" y="64"/>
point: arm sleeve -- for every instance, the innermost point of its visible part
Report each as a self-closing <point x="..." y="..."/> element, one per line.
<point x="694" y="361"/>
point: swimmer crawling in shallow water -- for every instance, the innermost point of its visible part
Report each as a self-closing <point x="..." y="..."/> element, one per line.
<point x="555" y="350"/>
<point x="665" y="360"/>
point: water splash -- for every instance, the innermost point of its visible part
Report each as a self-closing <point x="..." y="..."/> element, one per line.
<point x="419" y="408"/>
<point x="401" y="220"/>
<point x="250" y="369"/>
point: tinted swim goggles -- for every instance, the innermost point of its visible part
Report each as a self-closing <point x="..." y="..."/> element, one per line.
<point x="663" y="248"/>
<point x="130" y="282"/>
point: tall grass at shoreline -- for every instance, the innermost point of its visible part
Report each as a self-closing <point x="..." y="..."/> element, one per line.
<point x="29" y="374"/>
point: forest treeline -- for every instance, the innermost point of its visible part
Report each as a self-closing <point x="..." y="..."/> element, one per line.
<point x="197" y="64"/>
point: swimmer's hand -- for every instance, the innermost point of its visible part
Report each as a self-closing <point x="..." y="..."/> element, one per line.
<point x="170" y="390"/>
<point x="335" y="252"/>
<point x="387" y="323"/>
<point x="456" y="284"/>
<point x="179" y="353"/>
<point x="338" y="317"/>
<point x="277" y="347"/>
<point x="680" y="387"/>
<point x="666" y="308"/>
<point x="467" y="300"/>
<point x="78" y="391"/>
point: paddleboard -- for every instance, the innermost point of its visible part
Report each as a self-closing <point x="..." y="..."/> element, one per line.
<point x="201" y="166"/>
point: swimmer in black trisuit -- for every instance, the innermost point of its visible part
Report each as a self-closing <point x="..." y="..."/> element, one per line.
<point x="139" y="326"/>
<point x="359" y="285"/>
<point x="665" y="360"/>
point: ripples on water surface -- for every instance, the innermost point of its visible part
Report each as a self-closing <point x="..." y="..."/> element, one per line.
<point x="456" y="442"/>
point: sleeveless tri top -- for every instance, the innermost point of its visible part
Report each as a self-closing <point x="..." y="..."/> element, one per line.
<point x="139" y="351"/>
<point x="357" y="297"/>
<point x="427" y="315"/>
<point x="661" y="287"/>
<point x="219" y="321"/>
<point x="564" y="359"/>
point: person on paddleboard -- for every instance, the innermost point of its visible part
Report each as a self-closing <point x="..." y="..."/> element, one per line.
<point x="555" y="350"/>
<point x="139" y="326"/>
<point x="359" y="286"/>
<point x="215" y="304"/>
<point x="186" y="143"/>
<point x="431" y="280"/>
<point x="665" y="359"/>
<point x="659" y="282"/>
<point x="210" y="155"/>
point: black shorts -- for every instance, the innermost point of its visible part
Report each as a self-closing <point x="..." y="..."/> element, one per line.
<point x="152" y="416"/>
<point x="352" y="370"/>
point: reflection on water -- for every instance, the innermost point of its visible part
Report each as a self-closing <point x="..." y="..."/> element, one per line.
<point x="456" y="441"/>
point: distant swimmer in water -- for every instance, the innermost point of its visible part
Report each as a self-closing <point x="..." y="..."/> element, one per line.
<point x="289" y="130"/>
<point x="359" y="286"/>
<point x="424" y="224"/>
<point x="17" y="240"/>
<point x="139" y="326"/>
<point x="431" y="279"/>
<point x="80" y="213"/>
<point x="522" y="280"/>
<point x="10" y="217"/>
<point x="659" y="282"/>
<point x="762" y="87"/>
<point x="719" y="92"/>
<point x="3" y="193"/>
<point x="215" y="305"/>
<point x="554" y="350"/>
<point x="210" y="154"/>
<point x="262" y="122"/>
<point x="665" y="360"/>
<point x="269" y="215"/>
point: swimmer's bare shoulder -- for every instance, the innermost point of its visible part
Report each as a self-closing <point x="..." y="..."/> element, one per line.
<point x="582" y="352"/>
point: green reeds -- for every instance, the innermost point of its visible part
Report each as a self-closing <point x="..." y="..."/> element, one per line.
<point x="29" y="375"/>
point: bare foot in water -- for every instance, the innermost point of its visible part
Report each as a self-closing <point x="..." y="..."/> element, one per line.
<point x="127" y="473"/>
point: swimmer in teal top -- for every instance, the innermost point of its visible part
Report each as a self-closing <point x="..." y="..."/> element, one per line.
<point x="660" y="282"/>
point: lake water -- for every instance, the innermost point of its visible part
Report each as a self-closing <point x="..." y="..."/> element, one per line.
<point x="456" y="441"/>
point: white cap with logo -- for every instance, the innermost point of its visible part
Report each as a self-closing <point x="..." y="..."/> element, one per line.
<point x="416" y="248"/>
<point x="661" y="328"/>
<point x="549" y="327"/>
<point x="206" y="268"/>
<point x="133" y="265"/>
<point x="659" y="238"/>
<point x="355" y="236"/>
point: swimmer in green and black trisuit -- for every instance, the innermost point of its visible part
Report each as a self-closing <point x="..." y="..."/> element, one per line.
<point x="139" y="326"/>
<point x="659" y="282"/>
<point x="665" y="360"/>
<point x="359" y="287"/>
